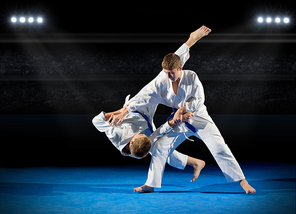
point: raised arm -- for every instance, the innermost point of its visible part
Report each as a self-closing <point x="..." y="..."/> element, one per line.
<point x="197" y="35"/>
<point x="148" y="95"/>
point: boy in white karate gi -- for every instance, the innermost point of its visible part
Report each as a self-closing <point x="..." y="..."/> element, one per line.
<point x="130" y="137"/>
<point x="182" y="90"/>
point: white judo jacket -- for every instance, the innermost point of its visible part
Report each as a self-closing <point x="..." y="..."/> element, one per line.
<point x="133" y="124"/>
<point x="160" y="91"/>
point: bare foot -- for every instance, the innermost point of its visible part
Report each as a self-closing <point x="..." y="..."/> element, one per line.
<point x="247" y="187"/>
<point x="200" y="32"/>
<point x="197" y="35"/>
<point x="197" y="165"/>
<point x="144" y="188"/>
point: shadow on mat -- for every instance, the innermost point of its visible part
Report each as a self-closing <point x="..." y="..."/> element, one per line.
<point x="39" y="189"/>
<point x="262" y="186"/>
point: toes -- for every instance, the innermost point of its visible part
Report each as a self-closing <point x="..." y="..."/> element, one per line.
<point x="139" y="189"/>
<point x="193" y="179"/>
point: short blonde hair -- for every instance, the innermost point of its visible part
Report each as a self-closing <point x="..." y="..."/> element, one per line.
<point x="141" y="147"/>
<point x="171" y="61"/>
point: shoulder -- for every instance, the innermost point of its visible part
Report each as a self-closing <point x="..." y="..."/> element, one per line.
<point x="189" y="73"/>
<point x="161" y="79"/>
<point x="190" y="76"/>
<point x="161" y="75"/>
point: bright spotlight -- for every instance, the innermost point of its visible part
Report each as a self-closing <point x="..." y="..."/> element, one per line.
<point x="13" y="19"/>
<point x="277" y="20"/>
<point x="39" y="20"/>
<point x="31" y="19"/>
<point x="22" y="19"/>
<point x="260" y="19"/>
<point x="268" y="20"/>
<point x="286" y="20"/>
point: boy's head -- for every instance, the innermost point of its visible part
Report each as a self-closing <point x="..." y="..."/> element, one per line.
<point x="140" y="145"/>
<point x="172" y="66"/>
<point x="171" y="61"/>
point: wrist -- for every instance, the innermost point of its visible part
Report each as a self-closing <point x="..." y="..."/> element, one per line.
<point x="107" y="115"/>
<point x="181" y="110"/>
<point x="171" y="123"/>
<point x="124" y="111"/>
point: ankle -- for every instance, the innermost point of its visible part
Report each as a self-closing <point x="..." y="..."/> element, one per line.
<point x="243" y="181"/>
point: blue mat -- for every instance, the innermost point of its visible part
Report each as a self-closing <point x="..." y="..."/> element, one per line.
<point x="110" y="190"/>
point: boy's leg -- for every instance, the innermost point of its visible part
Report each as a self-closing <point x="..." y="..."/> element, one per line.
<point x="213" y="139"/>
<point x="177" y="160"/>
<point x="164" y="148"/>
<point x="180" y="161"/>
<point x="197" y="165"/>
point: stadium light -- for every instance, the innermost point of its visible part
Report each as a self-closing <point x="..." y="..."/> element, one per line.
<point x="39" y="19"/>
<point x="31" y="20"/>
<point x="22" y="19"/>
<point x="13" y="19"/>
<point x="286" y="20"/>
<point x="268" y="20"/>
<point x="26" y="19"/>
<point x="260" y="19"/>
<point x="276" y="19"/>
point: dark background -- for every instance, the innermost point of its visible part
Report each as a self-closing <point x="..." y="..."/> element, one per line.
<point x="86" y="58"/>
<point x="148" y="17"/>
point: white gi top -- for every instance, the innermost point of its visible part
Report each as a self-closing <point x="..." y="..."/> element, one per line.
<point x="132" y="124"/>
<point x="160" y="91"/>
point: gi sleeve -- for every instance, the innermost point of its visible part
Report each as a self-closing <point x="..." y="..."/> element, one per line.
<point x="158" y="133"/>
<point x="100" y="122"/>
<point x="183" y="53"/>
<point x="148" y="96"/>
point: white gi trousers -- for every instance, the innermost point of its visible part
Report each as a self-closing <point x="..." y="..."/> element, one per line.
<point x="208" y="132"/>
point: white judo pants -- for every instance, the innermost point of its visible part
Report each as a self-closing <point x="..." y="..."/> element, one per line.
<point x="210" y="135"/>
<point x="177" y="160"/>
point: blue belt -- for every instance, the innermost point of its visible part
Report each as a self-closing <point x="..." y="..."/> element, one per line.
<point x="188" y="125"/>
<point x="146" y="118"/>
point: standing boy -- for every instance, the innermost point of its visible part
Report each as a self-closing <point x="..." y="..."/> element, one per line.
<point x="182" y="90"/>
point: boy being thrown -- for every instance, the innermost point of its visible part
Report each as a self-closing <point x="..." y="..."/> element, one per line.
<point x="130" y="137"/>
<point x="182" y="90"/>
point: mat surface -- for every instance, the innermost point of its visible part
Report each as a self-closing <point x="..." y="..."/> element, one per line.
<point x="109" y="189"/>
